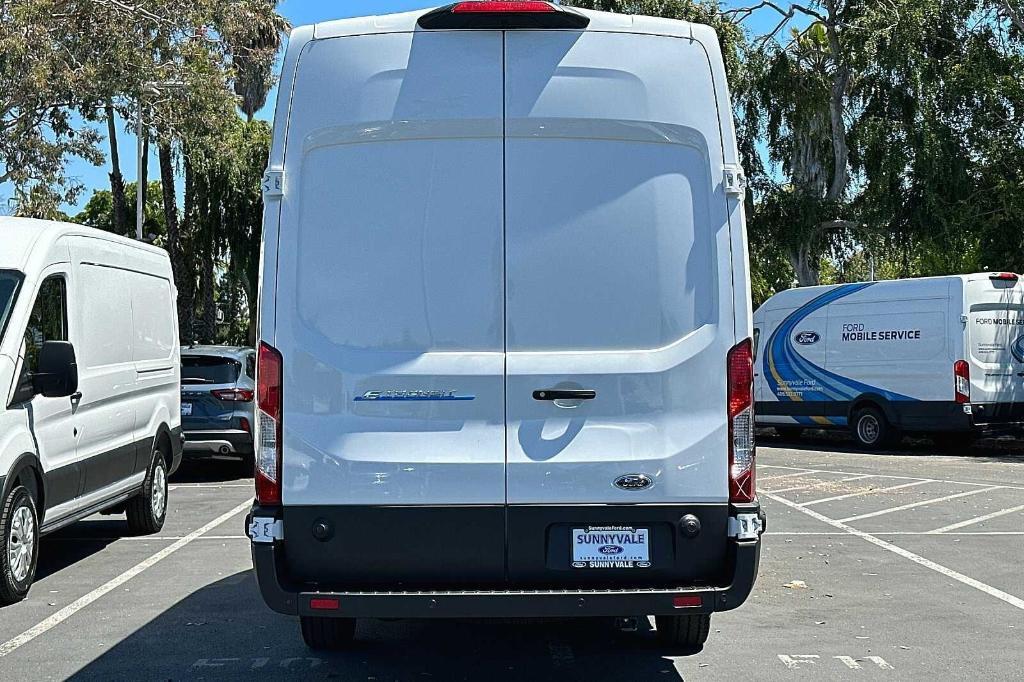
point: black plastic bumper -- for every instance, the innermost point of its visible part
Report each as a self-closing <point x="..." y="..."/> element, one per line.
<point x="283" y="596"/>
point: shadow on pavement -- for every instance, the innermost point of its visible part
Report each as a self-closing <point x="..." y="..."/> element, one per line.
<point x="1006" y="450"/>
<point x="211" y="470"/>
<point x="224" y="631"/>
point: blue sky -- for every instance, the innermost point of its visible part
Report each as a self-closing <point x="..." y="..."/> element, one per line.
<point x="298" y="12"/>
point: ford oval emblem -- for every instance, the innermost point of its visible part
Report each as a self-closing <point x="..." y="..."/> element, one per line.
<point x="807" y="338"/>
<point x="634" y="482"/>
<point x="610" y="549"/>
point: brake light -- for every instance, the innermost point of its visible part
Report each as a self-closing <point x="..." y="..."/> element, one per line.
<point x="503" y="14"/>
<point x="740" y="371"/>
<point x="504" y="6"/>
<point x="1004" y="277"/>
<point x="233" y="395"/>
<point x="269" y="379"/>
<point x="962" y="381"/>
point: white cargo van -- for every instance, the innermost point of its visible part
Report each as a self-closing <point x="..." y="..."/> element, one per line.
<point x="89" y="371"/>
<point x="937" y="354"/>
<point x="505" y="360"/>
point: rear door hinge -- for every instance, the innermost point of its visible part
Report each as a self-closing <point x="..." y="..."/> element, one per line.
<point x="745" y="526"/>
<point x="266" y="529"/>
<point x="273" y="183"/>
<point x="735" y="180"/>
<point x="963" y="319"/>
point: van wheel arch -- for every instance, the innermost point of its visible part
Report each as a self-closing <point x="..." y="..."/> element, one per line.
<point x="876" y="401"/>
<point x="28" y="472"/>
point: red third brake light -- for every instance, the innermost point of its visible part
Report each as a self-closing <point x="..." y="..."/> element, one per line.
<point x="269" y="399"/>
<point x="740" y="379"/>
<point x="503" y="6"/>
<point x="1003" y="277"/>
<point x="503" y="14"/>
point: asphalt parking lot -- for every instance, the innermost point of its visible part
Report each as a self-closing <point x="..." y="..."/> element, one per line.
<point x="885" y="566"/>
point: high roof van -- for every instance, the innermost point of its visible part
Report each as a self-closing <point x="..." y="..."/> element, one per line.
<point x="90" y="417"/>
<point x="939" y="355"/>
<point x="505" y="363"/>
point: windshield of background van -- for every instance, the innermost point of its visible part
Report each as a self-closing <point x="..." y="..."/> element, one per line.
<point x="9" y="282"/>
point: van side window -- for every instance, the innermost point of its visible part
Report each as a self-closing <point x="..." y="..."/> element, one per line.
<point x="757" y="342"/>
<point x="48" y="322"/>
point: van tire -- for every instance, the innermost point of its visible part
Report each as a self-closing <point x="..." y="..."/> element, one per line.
<point x="328" y="634"/>
<point x="871" y="429"/>
<point x="17" y="515"/>
<point x="687" y="632"/>
<point x="147" y="510"/>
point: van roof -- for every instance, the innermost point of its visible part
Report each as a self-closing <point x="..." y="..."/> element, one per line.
<point x="20" y="237"/>
<point x="799" y="295"/>
<point x="599" y="21"/>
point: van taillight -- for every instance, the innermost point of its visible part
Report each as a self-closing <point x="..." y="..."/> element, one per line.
<point x="962" y="381"/>
<point x="740" y="370"/>
<point x="269" y="377"/>
<point x="503" y="14"/>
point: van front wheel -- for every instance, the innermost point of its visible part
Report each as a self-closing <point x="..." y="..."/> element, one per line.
<point x="688" y="632"/>
<point x="147" y="510"/>
<point x="19" y="531"/>
<point x="328" y="634"/>
<point x="871" y="429"/>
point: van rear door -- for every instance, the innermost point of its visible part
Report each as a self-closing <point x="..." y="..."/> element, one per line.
<point x="390" y="310"/>
<point x="995" y="341"/>
<point x="619" y="304"/>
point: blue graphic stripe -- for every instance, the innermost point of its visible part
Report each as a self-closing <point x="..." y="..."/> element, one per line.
<point x="784" y="367"/>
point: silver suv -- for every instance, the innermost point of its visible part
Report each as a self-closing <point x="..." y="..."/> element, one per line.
<point x="217" y="408"/>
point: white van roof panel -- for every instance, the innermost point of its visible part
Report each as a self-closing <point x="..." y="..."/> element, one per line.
<point x="20" y="238"/>
<point x="599" y="21"/>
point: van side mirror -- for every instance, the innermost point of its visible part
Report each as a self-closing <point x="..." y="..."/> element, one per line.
<point x="58" y="370"/>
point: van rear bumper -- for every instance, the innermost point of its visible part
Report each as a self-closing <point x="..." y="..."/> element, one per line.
<point x="285" y="596"/>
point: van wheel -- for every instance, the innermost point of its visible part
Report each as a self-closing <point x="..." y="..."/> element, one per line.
<point x="147" y="510"/>
<point x="789" y="432"/>
<point x="688" y="632"/>
<point x="328" y="634"/>
<point x="872" y="430"/>
<point x="19" y="529"/>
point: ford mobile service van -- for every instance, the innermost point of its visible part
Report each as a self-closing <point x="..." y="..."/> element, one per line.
<point x="89" y="371"/>
<point x="505" y="361"/>
<point x="938" y="354"/>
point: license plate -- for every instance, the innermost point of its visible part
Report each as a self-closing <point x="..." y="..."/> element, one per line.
<point x="611" y="547"/>
<point x="186" y="409"/>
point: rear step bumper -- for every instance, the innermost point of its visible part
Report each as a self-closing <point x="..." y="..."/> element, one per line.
<point x="283" y="596"/>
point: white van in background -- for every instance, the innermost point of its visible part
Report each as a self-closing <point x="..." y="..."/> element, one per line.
<point x="89" y="375"/>
<point x="938" y="354"/>
<point x="505" y="360"/>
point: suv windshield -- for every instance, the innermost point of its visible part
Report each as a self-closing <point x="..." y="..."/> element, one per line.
<point x="208" y="369"/>
<point x="9" y="283"/>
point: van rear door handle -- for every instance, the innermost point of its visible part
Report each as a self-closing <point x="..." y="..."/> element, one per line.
<point x="564" y="394"/>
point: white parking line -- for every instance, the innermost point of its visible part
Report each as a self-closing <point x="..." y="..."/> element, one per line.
<point x="80" y="603"/>
<point x="772" y="478"/>
<point x="905" y="478"/>
<point x="979" y="519"/>
<point x="871" y="491"/>
<point x="906" y="554"/>
<point x="918" y="504"/>
<point x="211" y="485"/>
<point x="141" y="538"/>
<point x="819" y="484"/>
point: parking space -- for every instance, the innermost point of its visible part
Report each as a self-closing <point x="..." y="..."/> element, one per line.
<point x="894" y="566"/>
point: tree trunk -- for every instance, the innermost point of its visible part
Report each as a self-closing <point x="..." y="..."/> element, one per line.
<point x="805" y="265"/>
<point x="207" y="292"/>
<point x="116" y="179"/>
<point x="174" y="247"/>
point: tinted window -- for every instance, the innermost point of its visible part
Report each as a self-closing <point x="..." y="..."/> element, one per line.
<point x="9" y="282"/>
<point x="48" y="322"/>
<point x="203" y="369"/>
<point x="757" y="342"/>
<point x="250" y="365"/>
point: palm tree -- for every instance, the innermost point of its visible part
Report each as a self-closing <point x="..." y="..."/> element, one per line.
<point x="255" y="42"/>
